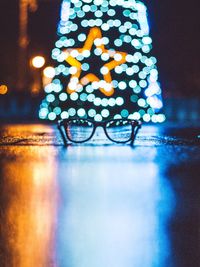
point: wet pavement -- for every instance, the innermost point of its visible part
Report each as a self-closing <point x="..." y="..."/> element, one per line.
<point x="99" y="204"/>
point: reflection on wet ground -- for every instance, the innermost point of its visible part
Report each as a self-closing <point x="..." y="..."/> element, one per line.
<point x="28" y="199"/>
<point x="95" y="205"/>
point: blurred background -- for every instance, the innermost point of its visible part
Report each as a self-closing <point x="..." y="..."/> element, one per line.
<point x="28" y="33"/>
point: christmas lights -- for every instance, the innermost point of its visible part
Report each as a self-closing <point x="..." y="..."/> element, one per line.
<point x="104" y="68"/>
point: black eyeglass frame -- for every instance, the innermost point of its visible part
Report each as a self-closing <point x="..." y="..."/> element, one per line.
<point x="136" y="125"/>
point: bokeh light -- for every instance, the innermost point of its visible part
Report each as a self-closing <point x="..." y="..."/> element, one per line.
<point x="49" y="72"/>
<point x="3" y="89"/>
<point x="104" y="66"/>
<point x="38" y="62"/>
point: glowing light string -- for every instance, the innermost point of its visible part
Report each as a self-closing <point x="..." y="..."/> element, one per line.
<point x="75" y="80"/>
<point x="125" y="84"/>
<point x="142" y="18"/>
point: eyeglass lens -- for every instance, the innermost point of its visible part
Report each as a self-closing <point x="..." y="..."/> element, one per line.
<point x="119" y="130"/>
<point x="79" y="130"/>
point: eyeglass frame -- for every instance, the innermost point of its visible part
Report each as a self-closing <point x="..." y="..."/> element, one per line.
<point x="65" y="137"/>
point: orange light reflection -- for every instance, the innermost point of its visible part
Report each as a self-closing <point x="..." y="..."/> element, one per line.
<point x="30" y="215"/>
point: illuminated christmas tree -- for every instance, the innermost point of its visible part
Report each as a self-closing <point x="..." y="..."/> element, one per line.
<point x="104" y="67"/>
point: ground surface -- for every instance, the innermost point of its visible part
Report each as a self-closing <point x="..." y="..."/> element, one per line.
<point x="99" y="204"/>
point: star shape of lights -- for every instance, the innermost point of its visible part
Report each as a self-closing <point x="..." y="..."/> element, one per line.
<point x="105" y="85"/>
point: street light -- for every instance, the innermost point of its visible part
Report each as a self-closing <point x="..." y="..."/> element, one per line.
<point x="37" y="63"/>
<point x="3" y="89"/>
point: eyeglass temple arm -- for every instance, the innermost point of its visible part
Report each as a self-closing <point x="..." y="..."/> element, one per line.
<point x="134" y="133"/>
<point x="61" y="133"/>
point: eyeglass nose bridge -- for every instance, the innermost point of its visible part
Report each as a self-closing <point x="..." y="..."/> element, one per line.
<point x="99" y="125"/>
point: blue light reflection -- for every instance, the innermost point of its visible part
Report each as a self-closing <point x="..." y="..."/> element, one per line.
<point x="114" y="208"/>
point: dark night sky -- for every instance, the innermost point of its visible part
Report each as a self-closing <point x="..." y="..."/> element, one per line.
<point x="175" y="29"/>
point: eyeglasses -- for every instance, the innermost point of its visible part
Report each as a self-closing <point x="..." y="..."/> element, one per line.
<point x="82" y="130"/>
